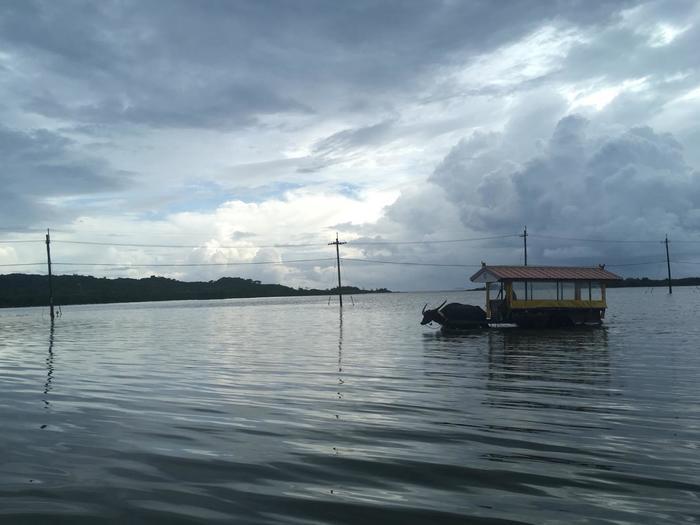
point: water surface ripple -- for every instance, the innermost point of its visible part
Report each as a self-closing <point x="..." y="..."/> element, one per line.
<point x="284" y="411"/>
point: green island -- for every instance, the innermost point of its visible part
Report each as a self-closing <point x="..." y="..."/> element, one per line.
<point x="636" y="282"/>
<point x="19" y="289"/>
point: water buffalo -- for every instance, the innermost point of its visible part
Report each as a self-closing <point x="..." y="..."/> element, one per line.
<point x="455" y="315"/>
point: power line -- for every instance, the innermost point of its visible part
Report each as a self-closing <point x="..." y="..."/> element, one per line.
<point x="405" y="263"/>
<point x="164" y="265"/>
<point x="144" y="245"/>
<point x="276" y="245"/>
<point x="18" y="241"/>
<point x="281" y="245"/>
<point x="294" y="261"/>
<point x="443" y="241"/>
<point x="372" y="261"/>
<point x="612" y="241"/>
<point x="72" y="271"/>
<point x="326" y="259"/>
<point x="128" y="245"/>
<point x="356" y="242"/>
<point x="634" y="264"/>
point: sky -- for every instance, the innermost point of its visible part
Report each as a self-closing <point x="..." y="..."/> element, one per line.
<point x="209" y="138"/>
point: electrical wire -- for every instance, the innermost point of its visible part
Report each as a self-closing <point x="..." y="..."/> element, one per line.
<point x="444" y="241"/>
<point x="611" y="241"/>
<point x="349" y="259"/>
<point x="634" y="264"/>
<point x="193" y="246"/>
<point x="406" y="263"/>
<point x="294" y="261"/>
<point x="168" y="265"/>
<point x="281" y="245"/>
<point x="19" y="241"/>
<point x="76" y="271"/>
<point x="356" y="242"/>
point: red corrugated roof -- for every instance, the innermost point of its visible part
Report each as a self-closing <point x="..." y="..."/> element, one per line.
<point x="559" y="273"/>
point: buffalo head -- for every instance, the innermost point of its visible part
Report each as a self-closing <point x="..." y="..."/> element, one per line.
<point x="432" y="315"/>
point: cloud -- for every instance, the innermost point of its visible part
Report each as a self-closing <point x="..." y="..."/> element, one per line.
<point x="578" y="183"/>
<point x="351" y="139"/>
<point x="346" y="145"/>
<point x="206" y="106"/>
<point x="40" y="168"/>
<point x="600" y="186"/>
<point x="224" y="65"/>
<point x="239" y="235"/>
<point x="295" y="226"/>
<point x="624" y="56"/>
<point x="630" y="186"/>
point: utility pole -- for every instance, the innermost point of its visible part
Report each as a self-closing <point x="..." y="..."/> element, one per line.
<point x="48" y="257"/>
<point x="524" y="236"/>
<point x="337" y="255"/>
<point x="668" y="266"/>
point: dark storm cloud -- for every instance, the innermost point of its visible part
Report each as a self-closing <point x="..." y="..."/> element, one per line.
<point x="41" y="164"/>
<point x="211" y="107"/>
<point x="635" y="184"/>
<point x="223" y="64"/>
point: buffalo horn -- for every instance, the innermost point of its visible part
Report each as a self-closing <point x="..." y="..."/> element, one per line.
<point x="423" y="311"/>
<point x="443" y="304"/>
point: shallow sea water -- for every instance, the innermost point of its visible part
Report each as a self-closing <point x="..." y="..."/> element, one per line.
<point x="284" y="411"/>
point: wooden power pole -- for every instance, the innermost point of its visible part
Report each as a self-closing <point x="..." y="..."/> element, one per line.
<point x="48" y="257"/>
<point x="337" y="255"/>
<point x="668" y="266"/>
<point x="524" y="236"/>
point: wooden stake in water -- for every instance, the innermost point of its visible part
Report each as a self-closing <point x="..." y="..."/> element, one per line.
<point x="48" y="257"/>
<point x="337" y="255"/>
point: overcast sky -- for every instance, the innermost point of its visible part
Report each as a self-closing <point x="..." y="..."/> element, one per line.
<point x="231" y="127"/>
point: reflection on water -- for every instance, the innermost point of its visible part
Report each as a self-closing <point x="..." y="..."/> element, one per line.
<point x="49" y="368"/>
<point x="262" y="411"/>
<point x="561" y="358"/>
<point x="339" y="393"/>
<point x="340" y="351"/>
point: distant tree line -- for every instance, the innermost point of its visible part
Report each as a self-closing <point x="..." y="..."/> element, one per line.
<point x="632" y="282"/>
<point x="32" y="290"/>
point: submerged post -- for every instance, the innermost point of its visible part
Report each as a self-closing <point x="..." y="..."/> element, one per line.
<point x="337" y="255"/>
<point x="668" y="267"/>
<point x="488" y="300"/>
<point x="48" y="257"/>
